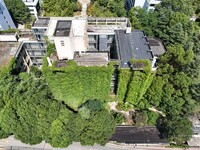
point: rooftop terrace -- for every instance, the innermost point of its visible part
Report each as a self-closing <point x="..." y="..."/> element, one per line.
<point x="157" y="46"/>
<point x="91" y="58"/>
<point x="107" y="25"/>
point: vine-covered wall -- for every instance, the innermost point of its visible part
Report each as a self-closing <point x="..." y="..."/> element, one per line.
<point x="76" y="84"/>
<point x="133" y="84"/>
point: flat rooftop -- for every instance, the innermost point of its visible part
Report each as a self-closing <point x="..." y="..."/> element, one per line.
<point x="107" y="25"/>
<point x="7" y="52"/>
<point x="134" y="135"/>
<point x="91" y="58"/>
<point x="132" y="45"/>
<point x="157" y="46"/>
<point x="41" y="22"/>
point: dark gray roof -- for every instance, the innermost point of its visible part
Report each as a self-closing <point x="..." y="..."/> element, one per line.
<point x="132" y="45"/>
<point x="63" y="28"/>
<point x="134" y="135"/>
<point x="41" y="22"/>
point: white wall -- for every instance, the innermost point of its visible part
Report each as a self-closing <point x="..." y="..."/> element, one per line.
<point x="8" y="37"/>
<point x="140" y="3"/>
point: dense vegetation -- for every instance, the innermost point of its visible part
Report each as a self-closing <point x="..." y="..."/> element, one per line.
<point x="132" y="85"/>
<point x="18" y="11"/>
<point x="60" y="8"/>
<point x="106" y="8"/>
<point x="174" y="89"/>
<point x="75" y="84"/>
<point x="29" y="110"/>
<point x="72" y="106"/>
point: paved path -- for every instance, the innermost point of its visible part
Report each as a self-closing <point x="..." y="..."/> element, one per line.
<point x="84" y="3"/>
<point x="13" y="144"/>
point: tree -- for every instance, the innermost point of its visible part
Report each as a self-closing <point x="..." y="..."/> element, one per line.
<point x="142" y="19"/>
<point x="182" y="6"/>
<point x="31" y="110"/>
<point x="140" y="118"/>
<point x="59" y="135"/>
<point x="98" y="129"/>
<point x="178" y="129"/>
<point x="18" y="11"/>
<point x="119" y="117"/>
<point x="60" y="7"/>
<point x="177" y="56"/>
<point x="106" y="8"/>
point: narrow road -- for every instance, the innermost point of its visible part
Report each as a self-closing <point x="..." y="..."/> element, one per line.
<point x="12" y="144"/>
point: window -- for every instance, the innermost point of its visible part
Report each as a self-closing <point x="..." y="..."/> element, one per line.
<point x="62" y="43"/>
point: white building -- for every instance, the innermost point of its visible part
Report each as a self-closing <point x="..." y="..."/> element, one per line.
<point x="153" y="3"/>
<point x="146" y="4"/>
<point x="94" y="41"/>
<point x="33" y="6"/>
<point x="6" y="21"/>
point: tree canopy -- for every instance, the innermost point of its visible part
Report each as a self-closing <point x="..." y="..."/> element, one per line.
<point x="106" y="8"/>
<point x="60" y="7"/>
<point x="174" y="86"/>
<point x="29" y="111"/>
<point x="18" y="11"/>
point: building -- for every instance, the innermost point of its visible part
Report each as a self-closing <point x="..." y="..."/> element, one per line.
<point x="153" y="3"/>
<point x="89" y="42"/>
<point x="30" y="53"/>
<point x="145" y="4"/>
<point x="133" y="45"/>
<point x="94" y="41"/>
<point x="33" y="6"/>
<point x="136" y="3"/>
<point x="6" y="21"/>
<point x="139" y="136"/>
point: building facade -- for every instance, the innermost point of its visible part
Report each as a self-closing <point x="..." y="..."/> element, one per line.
<point x="153" y="3"/>
<point x="88" y="42"/>
<point x="145" y="4"/>
<point x="6" y="21"/>
<point x="33" y="6"/>
<point x="30" y="53"/>
<point x="94" y="39"/>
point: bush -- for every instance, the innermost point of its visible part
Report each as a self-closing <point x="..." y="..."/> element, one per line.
<point x="119" y="117"/>
<point x="140" y="118"/>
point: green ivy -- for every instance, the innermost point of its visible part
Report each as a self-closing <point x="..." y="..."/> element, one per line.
<point x="76" y="84"/>
<point x="133" y="85"/>
<point x="124" y="79"/>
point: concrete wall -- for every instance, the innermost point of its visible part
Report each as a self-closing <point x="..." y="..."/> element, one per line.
<point x="8" y="37"/>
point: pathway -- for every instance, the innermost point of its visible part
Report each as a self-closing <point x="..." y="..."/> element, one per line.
<point x="84" y="3"/>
